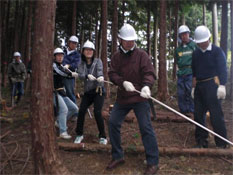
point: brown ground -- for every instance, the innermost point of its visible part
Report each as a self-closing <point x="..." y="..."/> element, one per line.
<point x="16" y="156"/>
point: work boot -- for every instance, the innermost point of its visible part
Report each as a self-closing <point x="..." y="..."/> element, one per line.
<point x="151" y="169"/>
<point x="201" y="144"/>
<point x="18" y="99"/>
<point x="115" y="163"/>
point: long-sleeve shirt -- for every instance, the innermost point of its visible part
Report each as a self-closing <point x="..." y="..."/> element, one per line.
<point x="17" y="70"/>
<point x="209" y="64"/>
<point x="72" y="59"/>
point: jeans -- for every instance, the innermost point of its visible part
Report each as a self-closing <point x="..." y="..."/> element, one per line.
<point x="67" y="109"/>
<point x="87" y="100"/>
<point x="142" y="112"/>
<point x="18" y="86"/>
<point x="184" y="88"/>
<point x="205" y="99"/>
<point x="69" y="87"/>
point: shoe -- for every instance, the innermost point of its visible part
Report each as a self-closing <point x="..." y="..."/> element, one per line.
<point x="115" y="163"/>
<point x="221" y="146"/>
<point x="65" y="135"/>
<point x="201" y="144"/>
<point x="103" y="141"/>
<point x="78" y="139"/>
<point x="151" y="169"/>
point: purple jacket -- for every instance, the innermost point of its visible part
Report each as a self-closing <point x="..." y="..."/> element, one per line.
<point x="136" y="68"/>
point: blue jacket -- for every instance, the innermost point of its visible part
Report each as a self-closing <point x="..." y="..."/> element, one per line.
<point x="72" y="59"/>
<point x="209" y="64"/>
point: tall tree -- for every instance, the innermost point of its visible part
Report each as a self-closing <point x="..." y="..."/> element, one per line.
<point x="215" y="23"/>
<point x="1" y="21"/>
<point x="46" y="157"/>
<point x="74" y="18"/>
<point x="224" y="26"/>
<point x="16" y="27"/>
<point x="104" y="41"/>
<point x="162" y="82"/>
<point x="156" y="24"/>
<point x="231" y="71"/>
<point x="204" y="13"/>
<point x="176" y="10"/>
<point x="97" y="33"/>
<point x="114" y="27"/>
<point x="148" y="28"/>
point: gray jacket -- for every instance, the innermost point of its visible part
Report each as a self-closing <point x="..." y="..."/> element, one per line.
<point x="16" y="71"/>
<point x="96" y="70"/>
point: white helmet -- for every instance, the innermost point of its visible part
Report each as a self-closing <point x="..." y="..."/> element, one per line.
<point x="127" y="32"/>
<point x="73" y="39"/>
<point x="201" y="34"/>
<point x="183" y="29"/>
<point x="58" y="50"/>
<point x="89" y="44"/>
<point x="17" y="54"/>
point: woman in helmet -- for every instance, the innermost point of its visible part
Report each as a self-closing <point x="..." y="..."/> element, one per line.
<point x="90" y="71"/>
<point x="65" y="108"/>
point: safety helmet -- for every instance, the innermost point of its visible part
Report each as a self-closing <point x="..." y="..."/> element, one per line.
<point x="73" y="39"/>
<point x="58" y="50"/>
<point x="201" y="34"/>
<point x="127" y="32"/>
<point x="183" y="29"/>
<point x="89" y="44"/>
<point x="17" y="54"/>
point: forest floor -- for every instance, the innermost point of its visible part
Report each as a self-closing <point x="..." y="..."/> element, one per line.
<point x="16" y="156"/>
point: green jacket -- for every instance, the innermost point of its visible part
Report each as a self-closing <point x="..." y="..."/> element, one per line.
<point x="16" y="71"/>
<point x="183" y="56"/>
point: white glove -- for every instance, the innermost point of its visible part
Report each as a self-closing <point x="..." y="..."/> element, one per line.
<point x="100" y="79"/>
<point x="128" y="86"/>
<point x="66" y="66"/>
<point x="221" y="92"/>
<point x="192" y="93"/>
<point x="91" y="77"/>
<point x="145" y="92"/>
<point x="75" y="74"/>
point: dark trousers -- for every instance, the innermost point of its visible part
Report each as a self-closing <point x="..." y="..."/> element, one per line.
<point x="142" y="112"/>
<point x="184" y="88"/>
<point x="205" y="99"/>
<point x="87" y="100"/>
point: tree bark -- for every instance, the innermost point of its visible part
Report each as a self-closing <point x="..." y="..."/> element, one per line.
<point x="148" y="29"/>
<point x="204" y="13"/>
<point x="162" y="82"/>
<point x="16" y="27"/>
<point x="1" y="22"/>
<point x="74" y="18"/>
<point x="156" y="24"/>
<point x="96" y="34"/>
<point x="224" y="27"/>
<point x="46" y="157"/>
<point x="215" y="23"/>
<point x="114" y="27"/>
<point x="176" y="10"/>
<point x="104" y="42"/>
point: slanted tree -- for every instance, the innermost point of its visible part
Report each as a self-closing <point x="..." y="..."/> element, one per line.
<point x="162" y="82"/>
<point x="45" y="149"/>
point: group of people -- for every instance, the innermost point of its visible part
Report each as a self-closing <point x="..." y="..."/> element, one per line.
<point x="201" y="75"/>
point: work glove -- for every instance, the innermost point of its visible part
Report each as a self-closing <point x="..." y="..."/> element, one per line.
<point x="75" y="74"/>
<point x="221" y="92"/>
<point x="100" y="79"/>
<point x="145" y="92"/>
<point x="128" y="86"/>
<point x="192" y="93"/>
<point x="66" y="66"/>
<point x="13" y="80"/>
<point x="91" y="77"/>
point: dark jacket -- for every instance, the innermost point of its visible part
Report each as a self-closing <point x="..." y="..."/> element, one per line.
<point x="72" y="59"/>
<point x="17" y="71"/>
<point x="134" y="67"/>
<point x="59" y="74"/>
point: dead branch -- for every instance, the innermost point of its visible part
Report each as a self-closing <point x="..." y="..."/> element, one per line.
<point x="4" y="149"/>
<point x="140" y="149"/>
<point x="26" y="162"/>
<point x="5" y="134"/>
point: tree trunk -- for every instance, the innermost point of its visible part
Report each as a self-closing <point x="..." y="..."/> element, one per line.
<point x="114" y="27"/>
<point x="104" y="42"/>
<point x="162" y="83"/>
<point x="224" y="27"/>
<point x="148" y="29"/>
<point x="1" y="22"/>
<point x="215" y="23"/>
<point x="22" y="38"/>
<point x="156" y="24"/>
<point x="176" y="10"/>
<point x="231" y="71"/>
<point x="204" y="13"/>
<point x="16" y="26"/>
<point x="46" y="157"/>
<point x="96" y="34"/>
<point x="74" y="17"/>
